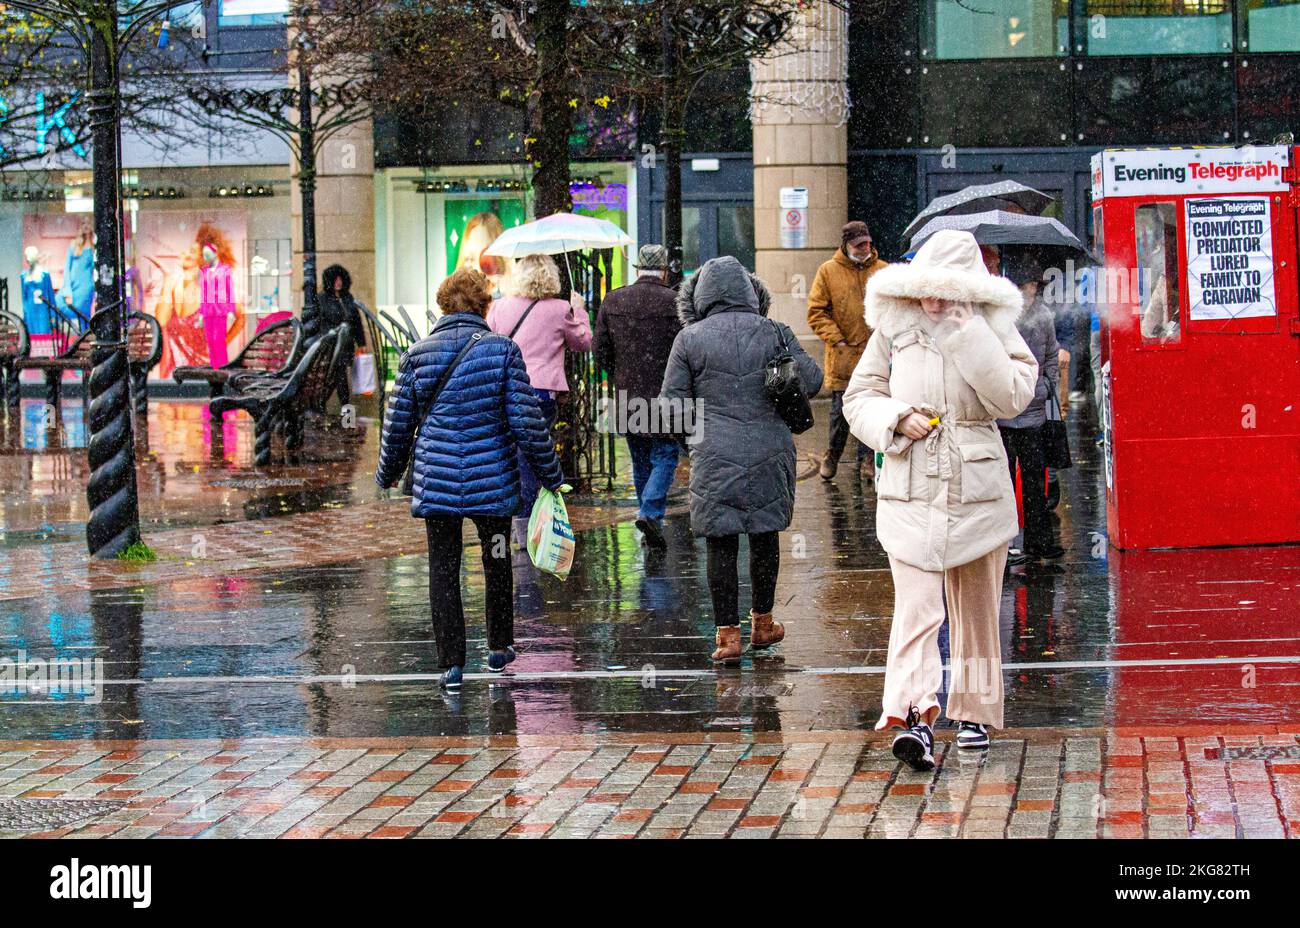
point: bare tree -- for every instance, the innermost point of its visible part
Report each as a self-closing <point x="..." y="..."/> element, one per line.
<point x="661" y="53"/>
<point x="515" y="55"/>
<point x="45" y="85"/>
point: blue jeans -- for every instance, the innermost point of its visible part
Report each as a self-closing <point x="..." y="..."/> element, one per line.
<point x="528" y="485"/>
<point x="654" y="464"/>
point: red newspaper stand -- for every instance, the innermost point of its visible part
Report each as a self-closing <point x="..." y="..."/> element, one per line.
<point x="1200" y="341"/>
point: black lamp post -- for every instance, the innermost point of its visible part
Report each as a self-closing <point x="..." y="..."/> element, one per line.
<point x="307" y="181"/>
<point x="114" y="523"/>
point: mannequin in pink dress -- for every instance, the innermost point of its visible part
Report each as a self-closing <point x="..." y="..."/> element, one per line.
<point x="216" y="303"/>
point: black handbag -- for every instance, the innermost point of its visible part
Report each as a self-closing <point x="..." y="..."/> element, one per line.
<point x="408" y="482"/>
<point x="785" y="389"/>
<point x="1056" y="441"/>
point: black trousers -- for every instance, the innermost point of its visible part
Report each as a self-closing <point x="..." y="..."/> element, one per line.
<point x="342" y="378"/>
<point x="1025" y="448"/>
<point x="724" y="574"/>
<point x="1081" y="356"/>
<point x="839" y="430"/>
<point x="444" y="534"/>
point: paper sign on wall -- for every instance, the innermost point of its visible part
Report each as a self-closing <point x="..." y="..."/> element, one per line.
<point x="1230" y="258"/>
<point x="794" y="217"/>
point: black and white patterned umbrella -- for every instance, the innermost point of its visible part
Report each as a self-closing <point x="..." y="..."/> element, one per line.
<point x="981" y="198"/>
<point x="997" y="227"/>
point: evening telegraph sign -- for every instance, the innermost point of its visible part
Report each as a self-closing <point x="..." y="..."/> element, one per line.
<point x="1168" y="172"/>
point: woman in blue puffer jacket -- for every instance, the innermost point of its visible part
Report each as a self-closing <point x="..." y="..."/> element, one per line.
<point x="465" y="459"/>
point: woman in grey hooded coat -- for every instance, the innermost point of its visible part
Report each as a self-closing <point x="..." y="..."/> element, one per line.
<point x="742" y="454"/>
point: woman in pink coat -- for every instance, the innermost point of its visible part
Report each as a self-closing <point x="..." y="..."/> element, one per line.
<point x="544" y="327"/>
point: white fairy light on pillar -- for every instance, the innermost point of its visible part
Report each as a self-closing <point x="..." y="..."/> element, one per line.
<point x="808" y="72"/>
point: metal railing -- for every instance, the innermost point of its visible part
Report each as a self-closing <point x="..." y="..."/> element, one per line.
<point x="388" y="338"/>
<point x="586" y="453"/>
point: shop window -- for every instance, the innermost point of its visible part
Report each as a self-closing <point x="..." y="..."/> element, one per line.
<point x="1265" y="96"/>
<point x="995" y="29"/>
<point x="1158" y="27"/>
<point x="1153" y="101"/>
<point x="270" y="270"/>
<point x="1159" y="304"/>
<point x="736" y="233"/>
<point x="252" y="12"/>
<point x="432" y="223"/>
<point x="983" y="118"/>
<point x="1270" y="25"/>
<point x="691" y="216"/>
<point x="185" y="17"/>
<point x="886" y="104"/>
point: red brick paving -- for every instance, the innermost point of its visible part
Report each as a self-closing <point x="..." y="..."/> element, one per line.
<point x="1158" y="783"/>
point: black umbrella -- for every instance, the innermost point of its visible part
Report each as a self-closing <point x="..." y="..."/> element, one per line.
<point x="981" y="198"/>
<point x="997" y="227"/>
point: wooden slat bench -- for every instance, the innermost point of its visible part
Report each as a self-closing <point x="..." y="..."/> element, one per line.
<point x="274" y="350"/>
<point x="143" y="349"/>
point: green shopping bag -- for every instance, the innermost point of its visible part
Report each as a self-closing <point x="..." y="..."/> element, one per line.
<point x="550" y="535"/>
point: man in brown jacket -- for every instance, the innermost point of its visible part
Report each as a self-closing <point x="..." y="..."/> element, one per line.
<point x="835" y="313"/>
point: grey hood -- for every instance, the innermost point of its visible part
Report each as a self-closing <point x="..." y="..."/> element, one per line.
<point x="722" y="284"/>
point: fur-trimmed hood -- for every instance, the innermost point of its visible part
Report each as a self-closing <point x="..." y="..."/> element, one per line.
<point x="721" y="284"/>
<point x="947" y="267"/>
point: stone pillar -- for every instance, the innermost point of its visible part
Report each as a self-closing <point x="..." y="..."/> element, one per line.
<point x="800" y="117"/>
<point x="345" y="211"/>
<point x="345" y="186"/>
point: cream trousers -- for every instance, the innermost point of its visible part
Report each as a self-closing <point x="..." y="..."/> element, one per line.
<point x="914" y="673"/>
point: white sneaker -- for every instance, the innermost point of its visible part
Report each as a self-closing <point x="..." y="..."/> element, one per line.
<point x="972" y="735"/>
<point x="915" y="745"/>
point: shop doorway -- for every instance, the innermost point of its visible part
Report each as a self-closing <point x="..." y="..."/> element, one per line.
<point x="717" y="208"/>
<point x="1061" y="175"/>
<point x="712" y="229"/>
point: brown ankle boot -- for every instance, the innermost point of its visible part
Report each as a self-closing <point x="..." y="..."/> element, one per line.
<point x="763" y="632"/>
<point x="728" y="642"/>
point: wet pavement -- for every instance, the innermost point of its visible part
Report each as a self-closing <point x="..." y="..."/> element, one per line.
<point x="188" y="473"/>
<point x="1067" y="784"/>
<point x="291" y="604"/>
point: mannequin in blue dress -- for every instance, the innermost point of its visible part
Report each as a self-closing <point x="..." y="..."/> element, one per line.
<point x="79" y="276"/>
<point x="38" y="293"/>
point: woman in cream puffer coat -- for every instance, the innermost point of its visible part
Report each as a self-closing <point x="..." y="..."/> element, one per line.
<point x="945" y="361"/>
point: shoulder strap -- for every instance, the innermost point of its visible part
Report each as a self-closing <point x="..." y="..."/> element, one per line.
<point x="520" y="323"/>
<point x="780" y="335"/>
<point x="446" y="375"/>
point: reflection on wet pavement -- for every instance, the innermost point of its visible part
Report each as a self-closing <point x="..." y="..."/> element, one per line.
<point x="188" y="473"/>
<point x="345" y="649"/>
